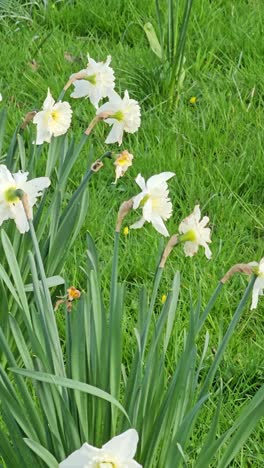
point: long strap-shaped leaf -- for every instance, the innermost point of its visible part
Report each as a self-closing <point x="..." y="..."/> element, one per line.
<point x="69" y="383"/>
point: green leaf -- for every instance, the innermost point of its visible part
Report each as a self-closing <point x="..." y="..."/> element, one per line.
<point x="15" y="271"/>
<point x="153" y="40"/>
<point x="69" y="383"/>
<point x="52" y="281"/>
<point x="2" y="128"/>
<point x="43" y="453"/>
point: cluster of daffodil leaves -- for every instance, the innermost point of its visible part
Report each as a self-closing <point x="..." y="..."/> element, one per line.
<point x="18" y="195"/>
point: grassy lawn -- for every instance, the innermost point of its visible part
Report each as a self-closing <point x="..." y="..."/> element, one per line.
<point x="214" y="146"/>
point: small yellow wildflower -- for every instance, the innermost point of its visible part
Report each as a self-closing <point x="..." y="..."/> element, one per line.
<point x="193" y="100"/>
<point x="163" y="298"/>
<point x="125" y="231"/>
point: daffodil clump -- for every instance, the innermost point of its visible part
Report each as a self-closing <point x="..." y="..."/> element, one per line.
<point x="84" y="396"/>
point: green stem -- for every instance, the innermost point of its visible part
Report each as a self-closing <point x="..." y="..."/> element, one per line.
<point x="210" y="305"/>
<point x="82" y="185"/>
<point x="226" y="339"/>
<point x="52" y="325"/>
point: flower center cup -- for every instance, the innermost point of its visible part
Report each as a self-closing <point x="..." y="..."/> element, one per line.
<point x="91" y="79"/>
<point x="188" y="236"/>
<point x="107" y="462"/>
<point x="55" y="115"/>
<point x="118" y="116"/>
<point x="11" y="195"/>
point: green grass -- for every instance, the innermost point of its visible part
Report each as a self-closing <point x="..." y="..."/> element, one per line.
<point x="215" y="148"/>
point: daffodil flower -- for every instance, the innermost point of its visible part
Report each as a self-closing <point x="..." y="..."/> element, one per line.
<point x="154" y="201"/>
<point x="122" y="163"/>
<point x="1" y="97"/>
<point x="258" y="288"/>
<point x="124" y="116"/>
<point x="97" y="83"/>
<point x="10" y="204"/>
<point x="194" y="233"/>
<point x="53" y="120"/>
<point x="117" y="453"/>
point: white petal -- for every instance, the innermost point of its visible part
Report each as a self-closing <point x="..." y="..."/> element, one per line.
<point x="147" y="210"/>
<point x="43" y="132"/>
<point x="190" y="248"/>
<point x="5" y="174"/>
<point x="19" y="217"/>
<point x="157" y="179"/>
<point x="137" y="200"/>
<point x="81" y="89"/>
<point x="141" y="182"/>
<point x="197" y="213"/>
<point x="132" y="464"/>
<point x="34" y="188"/>
<point x="49" y="101"/>
<point x="138" y="224"/>
<point x="5" y="213"/>
<point x="261" y="266"/>
<point x="116" y="133"/>
<point x="257" y="291"/>
<point x="124" y="445"/>
<point x="159" y="225"/>
<point x="208" y="252"/>
<point x="80" y="458"/>
<point x="20" y="178"/>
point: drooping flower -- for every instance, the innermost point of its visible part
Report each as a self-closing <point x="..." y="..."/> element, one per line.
<point x="97" y="83"/>
<point x="258" y="288"/>
<point x="53" y="120"/>
<point x="117" y="453"/>
<point x="10" y="204"/>
<point x="194" y="233"/>
<point x="124" y="116"/>
<point x="122" y="163"/>
<point x="154" y="200"/>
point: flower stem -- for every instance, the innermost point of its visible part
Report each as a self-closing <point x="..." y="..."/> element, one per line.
<point x="94" y="168"/>
<point x="226" y="339"/>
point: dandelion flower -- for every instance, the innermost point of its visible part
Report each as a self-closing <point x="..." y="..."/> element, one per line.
<point x="154" y="201"/>
<point x="122" y="163"/>
<point x="194" y="233"/>
<point x="10" y="204"/>
<point x="98" y="83"/>
<point x="117" y="453"/>
<point x="53" y="120"/>
<point x="163" y="298"/>
<point x="126" y="231"/>
<point x="193" y="100"/>
<point x="124" y="116"/>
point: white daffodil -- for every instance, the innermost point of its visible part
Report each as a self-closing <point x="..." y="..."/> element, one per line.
<point x="10" y="205"/>
<point x="125" y="116"/>
<point x="53" y="120"/>
<point x="194" y="233"/>
<point x="122" y="163"/>
<point x="1" y="97"/>
<point x="97" y="83"/>
<point x="117" y="453"/>
<point x="154" y="200"/>
<point x="258" y="288"/>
